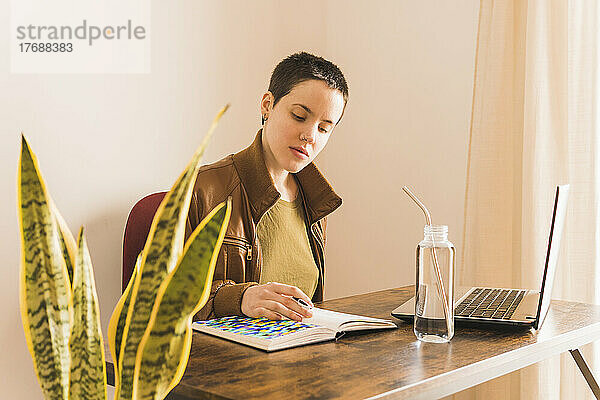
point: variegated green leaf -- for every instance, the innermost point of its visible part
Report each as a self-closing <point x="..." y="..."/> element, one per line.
<point x="161" y="252"/>
<point x="67" y="243"/>
<point x="45" y="291"/>
<point x="164" y="349"/>
<point x="88" y="370"/>
<point x="117" y="319"/>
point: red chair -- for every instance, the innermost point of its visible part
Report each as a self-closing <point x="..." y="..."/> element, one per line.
<point x="136" y="231"/>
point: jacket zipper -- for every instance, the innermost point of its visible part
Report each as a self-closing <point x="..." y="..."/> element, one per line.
<point x="317" y="234"/>
<point x="319" y="239"/>
<point x="240" y="243"/>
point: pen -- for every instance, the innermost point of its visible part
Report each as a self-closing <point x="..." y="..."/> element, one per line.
<point x="302" y="302"/>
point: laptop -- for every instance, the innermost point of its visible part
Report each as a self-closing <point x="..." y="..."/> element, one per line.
<point x="510" y="307"/>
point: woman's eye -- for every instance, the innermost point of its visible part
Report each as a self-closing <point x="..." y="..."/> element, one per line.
<point x="299" y="118"/>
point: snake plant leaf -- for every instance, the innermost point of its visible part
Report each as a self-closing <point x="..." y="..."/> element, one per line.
<point x="88" y="370"/>
<point x="159" y="257"/>
<point x="117" y="319"/>
<point x="67" y="242"/>
<point x="45" y="290"/>
<point x="164" y="349"/>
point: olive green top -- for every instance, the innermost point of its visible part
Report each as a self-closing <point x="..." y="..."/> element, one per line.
<point x="286" y="252"/>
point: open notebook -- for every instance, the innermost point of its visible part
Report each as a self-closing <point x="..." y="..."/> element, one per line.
<point x="275" y="335"/>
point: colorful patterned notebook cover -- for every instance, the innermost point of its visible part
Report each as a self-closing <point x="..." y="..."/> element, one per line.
<point x="256" y="327"/>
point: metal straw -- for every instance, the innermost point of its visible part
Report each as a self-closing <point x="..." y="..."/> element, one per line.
<point x="440" y="282"/>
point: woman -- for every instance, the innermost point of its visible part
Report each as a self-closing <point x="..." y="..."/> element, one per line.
<point x="273" y="249"/>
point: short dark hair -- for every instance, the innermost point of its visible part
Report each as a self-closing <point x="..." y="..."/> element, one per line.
<point x="302" y="66"/>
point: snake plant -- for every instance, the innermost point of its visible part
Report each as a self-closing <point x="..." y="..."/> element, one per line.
<point x="150" y="329"/>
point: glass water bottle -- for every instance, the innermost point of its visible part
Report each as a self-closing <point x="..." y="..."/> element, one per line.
<point x="434" y="320"/>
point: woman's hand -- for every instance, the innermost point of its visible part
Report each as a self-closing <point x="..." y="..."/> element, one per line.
<point x="274" y="300"/>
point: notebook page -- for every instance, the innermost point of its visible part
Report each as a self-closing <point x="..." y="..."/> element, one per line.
<point x="336" y="320"/>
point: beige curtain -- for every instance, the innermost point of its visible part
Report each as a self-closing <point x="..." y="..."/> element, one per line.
<point x="533" y="126"/>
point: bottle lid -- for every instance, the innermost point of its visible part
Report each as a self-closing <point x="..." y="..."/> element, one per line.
<point x="435" y="229"/>
<point x="436" y="232"/>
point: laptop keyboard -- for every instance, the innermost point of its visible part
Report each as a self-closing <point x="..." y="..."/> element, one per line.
<point x="490" y="303"/>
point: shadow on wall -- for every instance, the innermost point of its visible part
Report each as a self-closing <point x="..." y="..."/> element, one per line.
<point x="104" y="232"/>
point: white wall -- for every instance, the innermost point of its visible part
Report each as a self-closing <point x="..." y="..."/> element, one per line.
<point x="103" y="141"/>
<point x="410" y="70"/>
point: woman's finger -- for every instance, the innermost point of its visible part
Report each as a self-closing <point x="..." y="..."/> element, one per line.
<point x="279" y="308"/>
<point x="263" y="312"/>
<point x="291" y="291"/>
<point x="291" y="304"/>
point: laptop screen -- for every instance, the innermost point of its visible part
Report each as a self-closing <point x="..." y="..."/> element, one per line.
<point x="556" y="230"/>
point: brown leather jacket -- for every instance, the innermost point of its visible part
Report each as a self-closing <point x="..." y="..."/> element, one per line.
<point x="245" y="178"/>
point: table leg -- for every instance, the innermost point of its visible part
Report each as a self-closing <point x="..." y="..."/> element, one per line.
<point x="585" y="370"/>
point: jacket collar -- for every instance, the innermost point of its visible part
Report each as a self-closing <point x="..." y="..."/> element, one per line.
<point x="320" y="199"/>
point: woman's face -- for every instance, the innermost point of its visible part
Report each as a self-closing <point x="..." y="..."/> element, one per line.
<point x="299" y="126"/>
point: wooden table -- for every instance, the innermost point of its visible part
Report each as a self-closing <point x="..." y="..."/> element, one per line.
<point x="382" y="364"/>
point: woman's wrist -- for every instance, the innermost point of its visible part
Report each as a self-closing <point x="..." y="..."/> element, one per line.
<point x="228" y="298"/>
